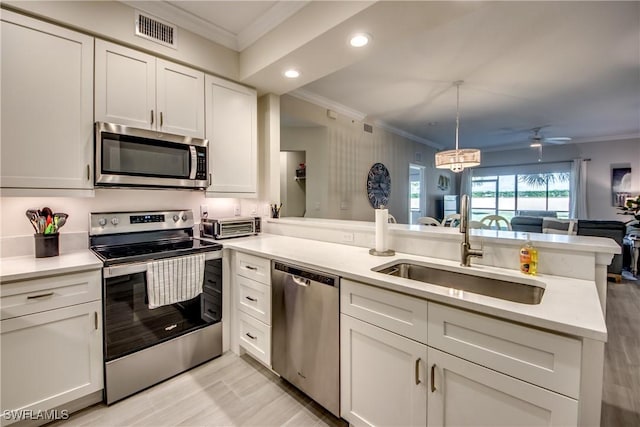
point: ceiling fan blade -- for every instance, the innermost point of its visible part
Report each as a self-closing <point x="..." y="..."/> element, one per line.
<point x="559" y="139"/>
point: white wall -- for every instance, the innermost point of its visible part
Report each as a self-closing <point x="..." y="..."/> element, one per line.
<point x="604" y="155"/>
<point x="340" y="153"/>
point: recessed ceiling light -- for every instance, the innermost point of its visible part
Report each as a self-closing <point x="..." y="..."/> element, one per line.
<point x="359" y="40"/>
<point x="292" y="74"/>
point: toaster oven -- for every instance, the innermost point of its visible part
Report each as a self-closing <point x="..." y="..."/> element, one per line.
<point x="225" y="228"/>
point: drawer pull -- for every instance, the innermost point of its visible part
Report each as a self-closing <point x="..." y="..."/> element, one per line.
<point x="48" y="294"/>
<point x="250" y="336"/>
<point x="252" y="299"/>
<point x="433" y="378"/>
<point x="418" y="371"/>
<point x="250" y="267"/>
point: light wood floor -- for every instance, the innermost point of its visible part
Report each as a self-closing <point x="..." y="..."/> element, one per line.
<point x="234" y="391"/>
<point x="621" y="394"/>
<point x="228" y="391"/>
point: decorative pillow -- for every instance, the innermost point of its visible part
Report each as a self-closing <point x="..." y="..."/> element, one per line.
<point x="559" y="226"/>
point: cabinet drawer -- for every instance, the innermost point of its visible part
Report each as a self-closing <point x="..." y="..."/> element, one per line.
<point x="542" y="358"/>
<point x="253" y="267"/>
<point x="255" y="337"/>
<point x="47" y="293"/>
<point x="254" y="298"/>
<point x="402" y="314"/>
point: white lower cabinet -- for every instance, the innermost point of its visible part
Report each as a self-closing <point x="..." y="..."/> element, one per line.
<point x="462" y="393"/>
<point x="382" y="376"/>
<point x="389" y="378"/>
<point x="252" y="290"/>
<point x="52" y="357"/>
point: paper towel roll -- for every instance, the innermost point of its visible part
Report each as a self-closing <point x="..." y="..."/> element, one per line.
<point x="382" y="224"/>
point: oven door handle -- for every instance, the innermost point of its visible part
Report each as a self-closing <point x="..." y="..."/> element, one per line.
<point x="124" y="269"/>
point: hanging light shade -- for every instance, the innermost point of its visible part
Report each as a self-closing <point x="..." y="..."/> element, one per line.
<point x="458" y="159"/>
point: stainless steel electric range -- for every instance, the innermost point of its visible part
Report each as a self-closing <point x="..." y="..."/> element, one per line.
<point x="144" y="345"/>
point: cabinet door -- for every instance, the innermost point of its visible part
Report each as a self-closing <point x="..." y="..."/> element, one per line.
<point x="51" y="358"/>
<point x="381" y="376"/>
<point x="180" y="99"/>
<point x="465" y="394"/>
<point x="47" y="105"/>
<point x="125" y="86"/>
<point x="231" y="130"/>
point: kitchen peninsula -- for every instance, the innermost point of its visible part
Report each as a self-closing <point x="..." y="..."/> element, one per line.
<point x="549" y="355"/>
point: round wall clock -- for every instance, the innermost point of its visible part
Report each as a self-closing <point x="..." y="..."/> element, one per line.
<point x="378" y="185"/>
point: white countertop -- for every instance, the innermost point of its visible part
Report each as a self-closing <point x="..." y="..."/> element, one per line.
<point x="569" y="306"/>
<point x="503" y="237"/>
<point x="29" y="267"/>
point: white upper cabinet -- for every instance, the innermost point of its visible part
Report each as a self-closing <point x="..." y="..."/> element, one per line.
<point x="47" y="105"/>
<point x="139" y="90"/>
<point x="125" y="86"/>
<point x="231" y="111"/>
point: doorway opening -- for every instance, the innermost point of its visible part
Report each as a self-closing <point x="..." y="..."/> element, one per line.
<point x="417" y="193"/>
<point x="293" y="184"/>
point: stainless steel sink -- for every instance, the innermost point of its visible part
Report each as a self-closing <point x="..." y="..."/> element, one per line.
<point x="503" y="289"/>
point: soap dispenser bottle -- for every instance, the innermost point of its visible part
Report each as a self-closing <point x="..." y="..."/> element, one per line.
<point x="529" y="258"/>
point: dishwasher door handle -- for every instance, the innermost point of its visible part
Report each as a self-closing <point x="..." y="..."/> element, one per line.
<point x="300" y="281"/>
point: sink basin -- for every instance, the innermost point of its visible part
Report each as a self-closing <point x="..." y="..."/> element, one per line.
<point x="502" y="289"/>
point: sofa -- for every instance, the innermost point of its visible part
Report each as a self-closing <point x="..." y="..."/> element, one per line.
<point x="615" y="230"/>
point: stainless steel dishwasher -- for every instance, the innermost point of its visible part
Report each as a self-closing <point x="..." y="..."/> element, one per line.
<point x="306" y="331"/>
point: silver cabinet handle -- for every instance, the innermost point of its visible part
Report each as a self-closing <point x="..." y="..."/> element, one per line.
<point x="88" y="172"/>
<point x="48" y="294"/>
<point x="252" y="299"/>
<point x="418" y="371"/>
<point x="151" y="116"/>
<point x="161" y="119"/>
<point x="433" y="378"/>
<point x="250" y="267"/>
<point x="209" y="180"/>
<point x="250" y="336"/>
<point x="95" y="320"/>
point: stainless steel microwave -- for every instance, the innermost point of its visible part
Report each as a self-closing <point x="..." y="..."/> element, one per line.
<point x="131" y="157"/>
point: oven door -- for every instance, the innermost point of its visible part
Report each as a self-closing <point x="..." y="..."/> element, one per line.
<point x="136" y="157"/>
<point x="130" y="325"/>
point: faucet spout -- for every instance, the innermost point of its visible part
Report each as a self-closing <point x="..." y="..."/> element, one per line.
<point x="466" y="251"/>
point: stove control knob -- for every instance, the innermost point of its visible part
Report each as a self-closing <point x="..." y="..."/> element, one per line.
<point x="115" y="221"/>
<point x="184" y="217"/>
<point x="176" y="218"/>
<point x="102" y="222"/>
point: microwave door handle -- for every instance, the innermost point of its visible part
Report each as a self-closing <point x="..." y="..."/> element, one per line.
<point x="194" y="162"/>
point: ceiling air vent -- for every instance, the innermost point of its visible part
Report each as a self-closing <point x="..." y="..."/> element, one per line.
<point x="153" y="29"/>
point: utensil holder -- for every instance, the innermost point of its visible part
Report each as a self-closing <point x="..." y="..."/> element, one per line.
<point x="46" y="245"/>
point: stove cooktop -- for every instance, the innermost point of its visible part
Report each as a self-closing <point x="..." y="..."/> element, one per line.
<point x="147" y="251"/>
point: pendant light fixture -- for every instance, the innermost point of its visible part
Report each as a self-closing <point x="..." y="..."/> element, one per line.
<point x="458" y="159"/>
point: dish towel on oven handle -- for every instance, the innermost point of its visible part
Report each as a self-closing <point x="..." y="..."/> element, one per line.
<point x="173" y="280"/>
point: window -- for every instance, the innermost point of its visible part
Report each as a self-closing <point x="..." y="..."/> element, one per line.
<point x="538" y="189"/>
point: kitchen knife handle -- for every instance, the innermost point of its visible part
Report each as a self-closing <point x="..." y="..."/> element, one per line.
<point x="151" y="116"/>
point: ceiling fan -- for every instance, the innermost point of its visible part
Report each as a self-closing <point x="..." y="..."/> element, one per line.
<point x="537" y="139"/>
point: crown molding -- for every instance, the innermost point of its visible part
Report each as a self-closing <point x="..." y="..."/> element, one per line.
<point x="187" y="21"/>
<point x="321" y="101"/>
<point x="275" y="16"/>
<point x="174" y="14"/>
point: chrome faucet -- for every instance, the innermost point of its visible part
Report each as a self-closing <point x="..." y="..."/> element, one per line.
<point x="466" y="252"/>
